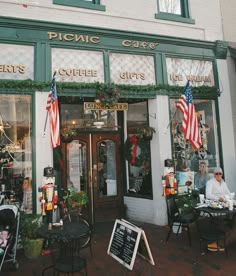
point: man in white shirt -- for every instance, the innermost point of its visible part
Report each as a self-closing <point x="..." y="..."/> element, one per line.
<point x="216" y="188"/>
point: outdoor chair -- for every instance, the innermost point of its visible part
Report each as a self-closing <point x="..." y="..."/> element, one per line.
<point x="69" y="259"/>
<point x="176" y="218"/>
<point x="209" y="231"/>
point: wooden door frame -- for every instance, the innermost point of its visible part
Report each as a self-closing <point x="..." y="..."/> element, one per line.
<point x="88" y="138"/>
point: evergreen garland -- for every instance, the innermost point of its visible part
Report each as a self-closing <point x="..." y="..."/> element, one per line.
<point x="144" y="149"/>
<point x="162" y="89"/>
<point x="108" y="95"/>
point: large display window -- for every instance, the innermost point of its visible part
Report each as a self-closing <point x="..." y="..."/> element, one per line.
<point x="194" y="168"/>
<point x="15" y="149"/>
<point x="137" y="149"/>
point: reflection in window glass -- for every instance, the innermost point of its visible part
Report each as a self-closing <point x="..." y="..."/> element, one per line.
<point x="140" y="178"/>
<point x="194" y="168"/>
<point x="107" y="179"/>
<point x="170" y="6"/>
<point x="15" y="147"/>
<point x="74" y="117"/>
<point x="77" y="165"/>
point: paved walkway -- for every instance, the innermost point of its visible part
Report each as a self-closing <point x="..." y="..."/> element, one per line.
<point x="172" y="258"/>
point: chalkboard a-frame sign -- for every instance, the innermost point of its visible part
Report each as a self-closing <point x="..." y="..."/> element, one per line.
<point x="125" y="244"/>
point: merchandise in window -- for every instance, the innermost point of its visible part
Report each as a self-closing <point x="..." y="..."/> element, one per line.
<point x="137" y="151"/>
<point x="86" y="4"/>
<point x="16" y="150"/>
<point x="174" y="10"/>
<point x="194" y="168"/>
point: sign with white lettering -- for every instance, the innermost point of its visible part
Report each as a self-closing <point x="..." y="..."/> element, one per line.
<point x="101" y="106"/>
<point x="126" y="241"/>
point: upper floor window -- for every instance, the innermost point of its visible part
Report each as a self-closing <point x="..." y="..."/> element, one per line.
<point x="86" y="4"/>
<point x="174" y="10"/>
<point x="170" y="6"/>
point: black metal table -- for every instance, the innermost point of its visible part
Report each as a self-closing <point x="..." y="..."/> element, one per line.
<point x="69" y="232"/>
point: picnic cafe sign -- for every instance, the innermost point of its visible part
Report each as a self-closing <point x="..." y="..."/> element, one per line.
<point x="101" y="106"/>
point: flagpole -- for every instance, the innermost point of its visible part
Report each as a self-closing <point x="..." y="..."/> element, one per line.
<point x="45" y="124"/>
<point x="46" y="119"/>
<point x="171" y="119"/>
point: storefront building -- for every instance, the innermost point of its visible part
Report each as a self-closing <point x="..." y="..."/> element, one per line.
<point x="148" y="70"/>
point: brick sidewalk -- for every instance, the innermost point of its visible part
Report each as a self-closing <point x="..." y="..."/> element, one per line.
<point x="172" y="258"/>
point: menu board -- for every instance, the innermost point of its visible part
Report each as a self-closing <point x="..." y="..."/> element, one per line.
<point x="124" y="243"/>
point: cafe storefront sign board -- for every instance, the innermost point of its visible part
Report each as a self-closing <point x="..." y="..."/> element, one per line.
<point x="102" y="106"/>
<point x="126" y="241"/>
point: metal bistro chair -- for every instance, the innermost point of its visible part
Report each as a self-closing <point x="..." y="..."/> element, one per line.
<point x="209" y="231"/>
<point x="69" y="259"/>
<point x="175" y="217"/>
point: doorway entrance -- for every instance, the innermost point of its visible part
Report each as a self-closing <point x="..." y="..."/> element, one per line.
<point x="92" y="164"/>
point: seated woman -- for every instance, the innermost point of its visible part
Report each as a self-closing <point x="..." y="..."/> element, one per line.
<point x="201" y="177"/>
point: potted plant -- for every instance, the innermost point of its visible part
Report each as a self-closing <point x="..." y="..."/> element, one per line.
<point x="32" y="243"/>
<point x="146" y="132"/>
<point x="68" y="134"/>
<point x="77" y="199"/>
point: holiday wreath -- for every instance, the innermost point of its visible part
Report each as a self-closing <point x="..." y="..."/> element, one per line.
<point x="135" y="144"/>
<point x="108" y="94"/>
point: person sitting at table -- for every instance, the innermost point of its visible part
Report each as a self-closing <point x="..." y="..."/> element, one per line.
<point x="216" y="188"/>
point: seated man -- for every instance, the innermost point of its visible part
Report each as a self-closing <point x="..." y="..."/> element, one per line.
<point x="216" y="188"/>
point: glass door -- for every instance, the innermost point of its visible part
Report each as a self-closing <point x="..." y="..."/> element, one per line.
<point x="93" y="165"/>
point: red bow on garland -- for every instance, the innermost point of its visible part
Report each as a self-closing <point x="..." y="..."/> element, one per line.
<point x="134" y="141"/>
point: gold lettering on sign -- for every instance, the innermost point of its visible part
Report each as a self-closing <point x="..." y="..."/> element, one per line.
<point x="199" y="78"/>
<point x="12" y="68"/>
<point x="194" y="78"/>
<point x="74" y="37"/>
<point x="101" y="106"/>
<point x="132" y="75"/>
<point x="176" y="77"/>
<point x="139" y="44"/>
<point x="77" y="72"/>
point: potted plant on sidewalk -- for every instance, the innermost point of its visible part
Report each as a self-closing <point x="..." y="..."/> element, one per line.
<point x="32" y="243"/>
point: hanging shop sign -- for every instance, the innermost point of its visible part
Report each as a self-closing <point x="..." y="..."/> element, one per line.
<point x="102" y="106"/>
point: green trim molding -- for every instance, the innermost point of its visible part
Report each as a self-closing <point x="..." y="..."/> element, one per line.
<point x="174" y="17"/>
<point x="232" y="51"/>
<point x="87" y="90"/>
<point x="221" y="48"/>
<point x="93" y="5"/>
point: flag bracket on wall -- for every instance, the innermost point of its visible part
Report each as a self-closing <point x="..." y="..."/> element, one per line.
<point x="152" y="115"/>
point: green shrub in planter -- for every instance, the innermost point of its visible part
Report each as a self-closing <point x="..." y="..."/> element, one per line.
<point x="32" y="243"/>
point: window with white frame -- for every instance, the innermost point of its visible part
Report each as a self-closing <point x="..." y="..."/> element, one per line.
<point x="194" y="168"/>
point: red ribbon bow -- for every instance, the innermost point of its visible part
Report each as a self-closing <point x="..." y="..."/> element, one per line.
<point x="134" y="141"/>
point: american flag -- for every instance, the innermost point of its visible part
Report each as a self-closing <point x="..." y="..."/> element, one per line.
<point x="190" y="124"/>
<point x="52" y="108"/>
